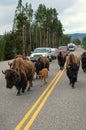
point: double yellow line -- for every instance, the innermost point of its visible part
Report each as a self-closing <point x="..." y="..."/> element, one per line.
<point x="41" y="101"/>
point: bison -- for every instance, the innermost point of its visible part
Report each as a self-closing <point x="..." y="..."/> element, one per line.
<point x="13" y="78"/>
<point x="83" y="61"/>
<point x="18" y="56"/>
<point x="43" y="74"/>
<point x="72" y="68"/>
<point x="21" y="56"/>
<point x="61" y="59"/>
<point x="25" y="70"/>
<point x="41" y="63"/>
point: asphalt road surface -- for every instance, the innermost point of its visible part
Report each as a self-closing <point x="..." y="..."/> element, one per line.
<point x="55" y="106"/>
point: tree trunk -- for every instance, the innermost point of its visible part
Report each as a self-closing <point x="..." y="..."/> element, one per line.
<point x="23" y="36"/>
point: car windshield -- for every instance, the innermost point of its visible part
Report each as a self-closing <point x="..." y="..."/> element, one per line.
<point x="40" y="50"/>
<point x="71" y="46"/>
<point x="63" y="48"/>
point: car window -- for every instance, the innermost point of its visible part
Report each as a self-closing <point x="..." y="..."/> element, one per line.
<point x="71" y="46"/>
<point x="63" y="48"/>
<point x="41" y="50"/>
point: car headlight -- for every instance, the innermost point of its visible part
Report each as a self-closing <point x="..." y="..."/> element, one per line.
<point x="31" y="55"/>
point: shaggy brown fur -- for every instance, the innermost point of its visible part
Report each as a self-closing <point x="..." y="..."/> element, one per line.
<point x="72" y="58"/>
<point x="45" y="61"/>
<point x="72" y="68"/>
<point x="43" y="74"/>
<point x="18" y="56"/>
<point x="83" y="61"/>
<point x="24" y="67"/>
<point x="41" y="63"/>
<point x="21" y="56"/>
<point x="14" y="79"/>
<point x="61" y="59"/>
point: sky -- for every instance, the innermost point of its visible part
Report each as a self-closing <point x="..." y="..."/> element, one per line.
<point x="71" y="13"/>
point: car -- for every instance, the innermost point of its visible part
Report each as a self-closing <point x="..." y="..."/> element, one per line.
<point x="63" y="49"/>
<point x="71" y="47"/>
<point x="54" y="53"/>
<point x="41" y="51"/>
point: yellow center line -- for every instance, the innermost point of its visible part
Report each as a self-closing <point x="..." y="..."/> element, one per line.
<point x="42" y="104"/>
<point x="36" y="103"/>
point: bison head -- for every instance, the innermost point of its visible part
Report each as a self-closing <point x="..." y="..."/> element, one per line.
<point x="12" y="77"/>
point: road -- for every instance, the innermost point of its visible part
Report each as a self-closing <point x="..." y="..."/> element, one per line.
<point x="55" y="106"/>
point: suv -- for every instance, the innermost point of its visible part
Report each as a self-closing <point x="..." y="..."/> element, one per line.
<point x="41" y="51"/>
<point x="71" y="47"/>
<point x="54" y="53"/>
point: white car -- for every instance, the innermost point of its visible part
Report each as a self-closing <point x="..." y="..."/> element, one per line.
<point x="71" y="47"/>
<point x="41" y="51"/>
<point x="54" y="53"/>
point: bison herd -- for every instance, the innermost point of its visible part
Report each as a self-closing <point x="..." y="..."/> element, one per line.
<point x="72" y="65"/>
<point x="21" y="71"/>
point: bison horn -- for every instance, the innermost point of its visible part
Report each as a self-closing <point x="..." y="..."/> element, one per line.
<point x="3" y="72"/>
<point x="9" y="64"/>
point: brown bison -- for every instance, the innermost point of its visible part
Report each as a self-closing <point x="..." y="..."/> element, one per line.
<point x="43" y="74"/>
<point x="21" y="56"/>
<point x="41" y="63"/>
<point x="13" y="78"/>
<point x="18" y="56"/>
<point x="83" y="61"/>
<point x="72" y="67"/>
<point x="61" y="59"/>
<point x="25" y="70"/>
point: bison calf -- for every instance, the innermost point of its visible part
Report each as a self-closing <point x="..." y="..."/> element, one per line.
<point x="43" y="74"/>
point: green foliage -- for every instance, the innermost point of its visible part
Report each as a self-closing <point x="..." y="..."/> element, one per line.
<point x="84" y="43"/>
<point x="2" y="45"/>
<point x="9" y="47"/>
<point x="77" y="42"/>
<point x="65" y="39"/>
<point x="47" y="20"/>
<point x="31" y="30"/>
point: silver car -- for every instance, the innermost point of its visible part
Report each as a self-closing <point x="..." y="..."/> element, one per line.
<point x="41" y="51"/>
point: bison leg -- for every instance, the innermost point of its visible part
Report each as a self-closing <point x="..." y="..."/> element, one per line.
<point x="24" y="87"/>
<point x="30" y="85"/>
<point x="45" y="79"/>
<point x="41" y="84"/>
<point x="18" y="93"/>
<point x="23" y="90"/>
<point x="84" y="69"/>
<point x="73" y="85"/>
<point x="28" y="88"/>
<point x="36" y="76"/>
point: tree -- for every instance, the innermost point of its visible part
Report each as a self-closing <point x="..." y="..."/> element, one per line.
<point x="77" y="41"/>
<point x="84" y="43"/>
<point x="65" y="39"/>
<point x="32" y="30"/>
<point x="49" y="24"/>
<point x="40" y="18"/>
<point x="9" y="52"/>
<point x="2" y="46"/>
<point x="29" y="14"/>
<point x="19" y="26"/>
